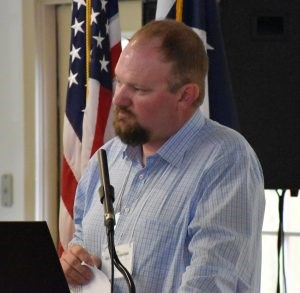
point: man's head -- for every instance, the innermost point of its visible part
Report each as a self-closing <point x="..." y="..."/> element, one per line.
<point x="160" y="82"/>
<point x="182" y="47"/>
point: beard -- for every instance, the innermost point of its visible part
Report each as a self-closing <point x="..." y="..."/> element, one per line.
<point x="130" y="131"/>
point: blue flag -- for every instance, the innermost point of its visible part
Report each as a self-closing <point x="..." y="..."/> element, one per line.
<point x="203" y="17"/>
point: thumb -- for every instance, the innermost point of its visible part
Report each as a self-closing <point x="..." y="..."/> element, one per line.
<point x="96" y="260"/>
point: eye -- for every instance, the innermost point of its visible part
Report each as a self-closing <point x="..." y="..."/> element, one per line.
<point x="140" y="90"/>
<point x="117" y="82"/>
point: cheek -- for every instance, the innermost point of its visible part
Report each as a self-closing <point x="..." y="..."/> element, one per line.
<point x="156" y="113"/>
<point x="144" y="113"/>
<point x="155" y="108"/>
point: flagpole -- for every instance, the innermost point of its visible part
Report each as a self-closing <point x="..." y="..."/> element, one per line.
<point x="179" y="10"/>
<point x="87" y="41"/>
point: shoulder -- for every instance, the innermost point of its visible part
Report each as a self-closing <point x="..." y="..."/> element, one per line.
<point x="228" y="146"/>
<point x="226" y="139"/>
<point x="112" y="147"/>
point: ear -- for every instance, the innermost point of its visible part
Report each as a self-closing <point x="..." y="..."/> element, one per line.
<point x="189" y="93"/>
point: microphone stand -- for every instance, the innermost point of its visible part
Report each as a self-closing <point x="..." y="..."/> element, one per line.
<point x="106" y="192"/>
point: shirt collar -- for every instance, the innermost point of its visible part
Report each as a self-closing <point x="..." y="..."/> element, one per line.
<point x="174" y="149"/>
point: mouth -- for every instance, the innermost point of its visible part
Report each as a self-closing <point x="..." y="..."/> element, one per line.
<point x="123" y="114"/>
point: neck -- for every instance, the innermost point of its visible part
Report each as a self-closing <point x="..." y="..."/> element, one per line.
<point x="155" y="143"/>
<point x="149" y="149"/>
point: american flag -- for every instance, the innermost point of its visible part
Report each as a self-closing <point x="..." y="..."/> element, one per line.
<point x="203" y="17"/>
<point x="94" y="51"/>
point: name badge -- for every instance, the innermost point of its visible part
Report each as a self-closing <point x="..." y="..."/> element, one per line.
<point x="125" y="255"/>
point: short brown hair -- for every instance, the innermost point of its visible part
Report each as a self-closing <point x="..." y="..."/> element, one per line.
<point x="181" y="46"/>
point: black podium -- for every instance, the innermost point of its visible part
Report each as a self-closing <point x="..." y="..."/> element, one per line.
<point x="29" y="261"/>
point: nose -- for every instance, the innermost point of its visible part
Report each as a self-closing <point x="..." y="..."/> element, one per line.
<point x="121" y="96"/>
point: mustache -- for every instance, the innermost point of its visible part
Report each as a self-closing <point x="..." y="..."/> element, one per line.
<point x="123" y="109"/>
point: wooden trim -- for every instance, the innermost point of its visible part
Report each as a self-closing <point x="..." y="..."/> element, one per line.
<point x="41" y="119"/>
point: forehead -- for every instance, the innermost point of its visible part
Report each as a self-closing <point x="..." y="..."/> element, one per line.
<point x="142" y="52"/>
<point x="142" y="60"/>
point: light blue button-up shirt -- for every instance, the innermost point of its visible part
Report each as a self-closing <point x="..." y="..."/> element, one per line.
<point x="194" y="212"/>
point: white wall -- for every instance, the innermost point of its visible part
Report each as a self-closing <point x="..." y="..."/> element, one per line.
<point x="12" y="147"/>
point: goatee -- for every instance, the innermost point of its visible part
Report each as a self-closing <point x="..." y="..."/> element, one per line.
<point x="131" y="133"/>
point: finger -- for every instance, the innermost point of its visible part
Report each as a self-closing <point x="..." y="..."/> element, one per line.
<point x="71" y="261"/>
<point x="81" y="255"/>
<point x="76" y="275"/>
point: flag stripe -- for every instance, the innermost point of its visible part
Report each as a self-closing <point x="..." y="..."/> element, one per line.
<point x="115" y="52"/>
<point x="163" y="8"/>
<point x="65" y="220"/>
<point x="68" y="187"/>
<point x="102" y="117"/>
<point x="72" y="148"/>
<point x="114" y="31"/>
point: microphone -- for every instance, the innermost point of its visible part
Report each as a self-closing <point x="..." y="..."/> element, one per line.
<point x="107" y="198"/>
<point x="106" y="191"/>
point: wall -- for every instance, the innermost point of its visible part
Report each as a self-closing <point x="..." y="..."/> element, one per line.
<point x="12" y="150"/>
<point x="23" y="115"/>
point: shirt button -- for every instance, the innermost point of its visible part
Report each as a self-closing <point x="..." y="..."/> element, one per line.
<point x="126" y="210"/>
<point x="141" y="177"/>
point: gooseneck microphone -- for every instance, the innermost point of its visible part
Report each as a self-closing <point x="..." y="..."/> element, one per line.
<point x="106" y="192"/>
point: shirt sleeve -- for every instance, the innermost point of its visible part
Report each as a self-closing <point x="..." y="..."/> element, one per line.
<point x="225" y="229"/>
<point x="83" y="199"/>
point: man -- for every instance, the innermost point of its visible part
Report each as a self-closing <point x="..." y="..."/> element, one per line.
<point x="189" y="192"/>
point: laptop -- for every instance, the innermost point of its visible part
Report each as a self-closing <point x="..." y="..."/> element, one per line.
<point x="29" y="261"/>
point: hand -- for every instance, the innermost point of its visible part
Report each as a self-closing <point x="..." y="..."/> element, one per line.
<point x="71" y="259"/>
